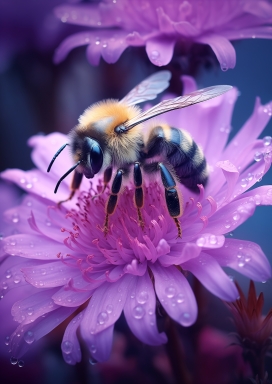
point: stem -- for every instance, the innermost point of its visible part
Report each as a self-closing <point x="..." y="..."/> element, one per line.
<point x="176" y="354"/>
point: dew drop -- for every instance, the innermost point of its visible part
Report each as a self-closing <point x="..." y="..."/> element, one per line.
<point x="15" y="218"/>
<point x="43" y="271"/>
<point x="244" y="183"/>
<point x="29" y="337"/>
<point x="155" y="55"/>
<point x="180" y="298"/>
<point x="257" y="199"/>
<point x="30" y="311"/>
<point x="8" y="274"/>
<point x="93" y="348"/>
<point x="22" y="180"/>
<point x="109" y="308"/>
<point x="5" y="285"/>
<point x="213" y="240"/>
<point x="105" y="45"/>
<point x="17" y="279"/>
<point x="29" y="185"/>
<point x="241" y="263"/>
<point x="259" y="176"/>
<point x="170" y="292"/>
<point x="97" y="42"/>
<point x="138" y="312"/>
<point x="150" y="312"/>
<point x="48" y="223"/>
<point x="67" y="347"/>
<point x="21" y="363"/>
<point x="185" y="318"/>
<point x="250" y="176"/>
<point x="142" y="297"/>
<point x="92" y="361"/>
<point x="236" y="216"/>
<point x="13" y="360"/>
<point x="267" y="140"/>
<point x="227" y="225"/>
<point x="7" y="340"/>
<point x="224" y="67"/>
<point x="247" y="259"/>
<point x="132" y="296"/>
<point x="258" y="156"/>
<point x="200" y="242"/>
<point x="102" y="318"/>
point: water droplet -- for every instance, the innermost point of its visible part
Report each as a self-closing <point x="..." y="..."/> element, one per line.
<point x="109" y="308"/>
<point x="236" y="216"/>
<point x="250" y="176"/>
<point x="43" y="271"/>
<point x="17" y="279"/>
<point x="185" y="318"/>
<point x="227" y="225"/>
<point x="13" y="360"/>
<point x="244" y="183"/>
<point x="170" y="292"/>
<point x="67" y="347"/>
<point x="7" y="340"/>
<point x="267" y="140"/>
<point x="105" y="45"/>
<point x="93" y="348"/>
<point x="155" y="55"/>
<point x="132" y="296"/>
<point x="241" y="263"/>
<point x="180" y="298"/>
<point x="102" y="318"/>
<point x="29" y="185"/>
<point x="257" y="199"/>
<point x="142" y="297"/>
<point x="92" y="361"/>
<point x="30" y="311"/>
<point x="213" y="240"/>
<point x="21" y="363"/>
<point x="150" y="312"/>
<point x="200" y="242"/>
<point x="5" y="285"/>
<point x="29" y="337"/>
<point x="97" y="42"/>
<point x="48" y="223"/>
<point x="259" y="176"/>
<point x="258" y="156"/>
<point x="231" y="277"/>
<point x="138" y="312"/>
<point x="247" y="259"/>
<point x="8" y="274"/>
<point x="224" y="67"/>
<point x="15" y="218"/>
<point x="22" y="180"/>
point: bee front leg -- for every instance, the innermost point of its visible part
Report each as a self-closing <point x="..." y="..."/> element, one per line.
<point x="113" y="198"/>
<point x="139" y="195"/>
<point x="171" y="195"/>
<point x="76" y="181"/>
<point x="106" y="180"/>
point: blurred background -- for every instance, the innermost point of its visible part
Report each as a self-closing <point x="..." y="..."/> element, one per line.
<point x="39" y="97"/>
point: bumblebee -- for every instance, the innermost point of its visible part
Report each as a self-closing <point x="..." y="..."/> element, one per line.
<point x="111" y="138"/>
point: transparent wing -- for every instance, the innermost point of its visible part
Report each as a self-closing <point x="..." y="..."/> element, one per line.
<point x="177" y="103"/>
<point x="148" y="89"/>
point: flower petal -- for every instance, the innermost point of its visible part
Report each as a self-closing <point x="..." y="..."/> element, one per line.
<point x="160" y="49"/>
<point x="222" y="48"/>
<point x="140" y="310"/>
<point x="175" y="294"/>
<point x="179" y="254"/>
<point x="99" y="344"/>
<point x="70" y="345"/>
<point x="211" y="275"/>
<point x="245" y="257"/>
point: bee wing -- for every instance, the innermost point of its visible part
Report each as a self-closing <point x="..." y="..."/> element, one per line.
<point x="148" y="89"/>
<point x="177" y="103"/>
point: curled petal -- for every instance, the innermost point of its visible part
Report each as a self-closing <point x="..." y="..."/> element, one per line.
<point x="160" y="49"/>
<point x="70" y="345"/>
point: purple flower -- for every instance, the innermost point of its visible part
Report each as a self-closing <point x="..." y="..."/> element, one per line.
<point x="63" y="263"/>
<point x="161" y="25"/>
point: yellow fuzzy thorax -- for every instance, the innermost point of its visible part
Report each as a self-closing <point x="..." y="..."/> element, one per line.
<point x="120" y="113"/>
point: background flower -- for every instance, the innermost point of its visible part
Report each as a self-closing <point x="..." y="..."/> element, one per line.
<point x="62" y="266"/>
<point x="160" y="26"/>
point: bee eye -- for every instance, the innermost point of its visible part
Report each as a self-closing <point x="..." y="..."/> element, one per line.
<point x="92" y="156"/>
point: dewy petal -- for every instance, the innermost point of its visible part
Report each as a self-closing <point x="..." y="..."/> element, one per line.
<point x="175" y="294"/>
<point x="140" y="311"/>
<point x="71" y="351"/>
<point x="231" y="174"/>
<point x="99" y="344"/>
<point x="211" y="275"/>
<point x="38" y="329"/>
<point x="160" y="49"/>
<point x="182" y="253"/>
<point x="245" y="257"/>
<point x="222" y="48"/>
<point x="68" y="298"/>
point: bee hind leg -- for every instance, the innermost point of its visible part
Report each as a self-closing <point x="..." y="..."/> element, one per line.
<point x="113" y="198"/>
<point x="77" y="178"/>
<point x="139" y="195"/>
<point x="171" y="196"/>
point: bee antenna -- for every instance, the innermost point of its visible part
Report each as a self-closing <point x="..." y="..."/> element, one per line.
<point x="66" y="174"/>
<point x="55" y="156"/>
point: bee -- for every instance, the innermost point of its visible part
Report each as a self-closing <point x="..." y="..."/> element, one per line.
<point x="110" y="139"/>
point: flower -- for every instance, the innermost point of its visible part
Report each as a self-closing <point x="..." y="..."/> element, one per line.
<point x="160" y="26"/>
<point x="66" y="266"/>
<point x="253" y="330"/>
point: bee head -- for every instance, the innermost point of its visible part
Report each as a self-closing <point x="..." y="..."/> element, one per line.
<point x="91" y="157"/>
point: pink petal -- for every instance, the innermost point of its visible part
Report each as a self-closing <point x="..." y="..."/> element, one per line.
<point x="68" y="298"/>
<point x="38" y="329"/>
<point x="49" y="275"/>
<point x="175" y="294"/>
<point x="211" y="275"/>
<point x="245" y="257"/>
<point x="99" y="344"/>
<point x="166" y="25"/>
<point x="222" y="48"/>
<point x="33" y="247"/>
<point x="261" y="195"/>
<point x="70" y="345"/>
<point x="160" y="49"/>
<point x="231" y="175"/>
<point x="34" y="306"/>
<point x="259" y="32"/>
<point x="140" y="311"/>
<point x="209" y="241"/>
<point x="179" y="254"/>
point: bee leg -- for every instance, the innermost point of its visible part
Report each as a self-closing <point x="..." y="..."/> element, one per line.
<point x="113" y="198"/>
<point x="77" y="178"/>
<point x="106" y="180"/>
<point x="171" y="195"/>
<point x="139" y="195"/>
